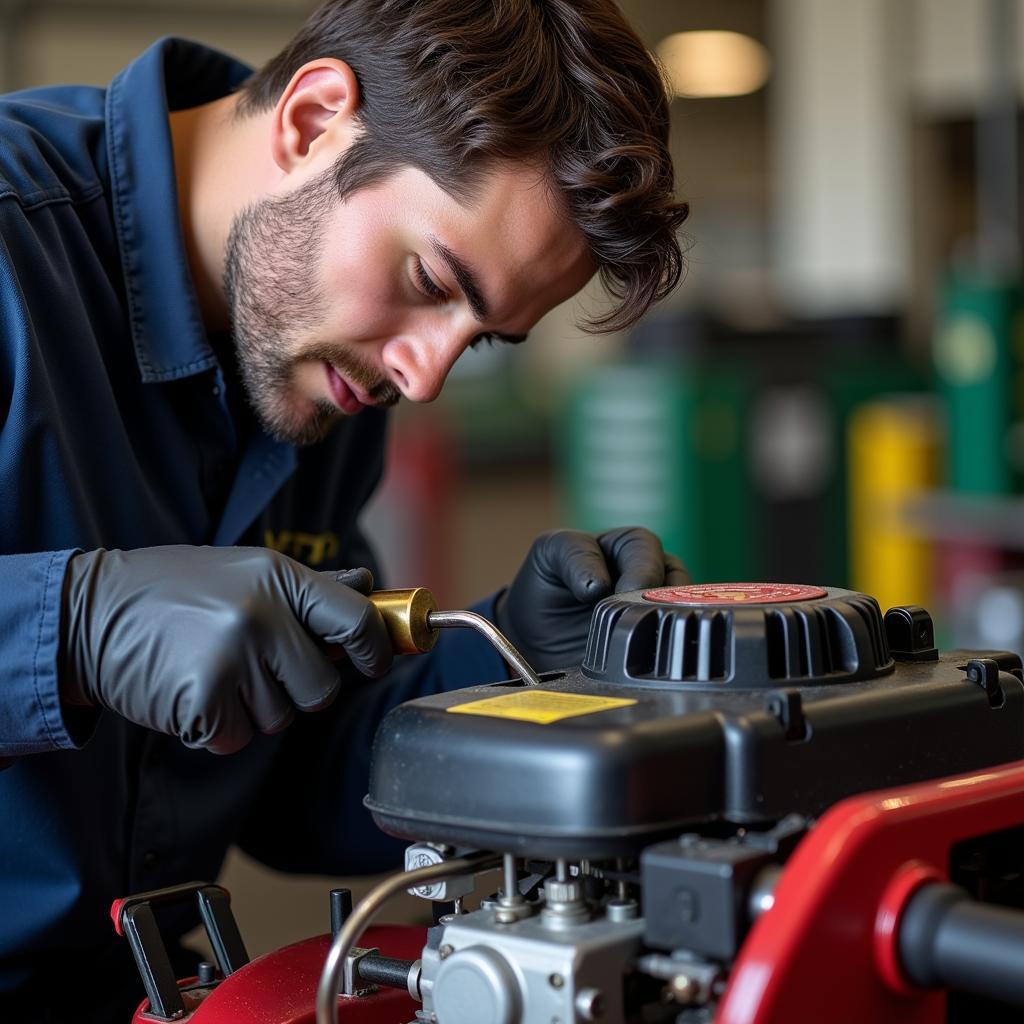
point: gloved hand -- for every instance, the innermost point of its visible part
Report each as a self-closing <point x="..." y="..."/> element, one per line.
<point x="212" y="644"/>
<point x="546" y="611"/>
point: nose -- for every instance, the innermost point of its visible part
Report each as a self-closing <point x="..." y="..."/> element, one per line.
<point x="419" y="367"/>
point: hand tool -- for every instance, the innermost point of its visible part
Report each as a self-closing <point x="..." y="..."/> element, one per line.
<point x="413" y="621"/>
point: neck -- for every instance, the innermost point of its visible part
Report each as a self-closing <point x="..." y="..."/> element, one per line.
<point x="213" y="165"/>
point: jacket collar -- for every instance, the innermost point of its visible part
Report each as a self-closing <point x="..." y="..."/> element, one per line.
<point x="173" y="74"/>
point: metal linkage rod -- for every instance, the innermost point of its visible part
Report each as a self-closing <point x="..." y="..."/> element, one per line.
<point x="439" y="620"/>
<point x="508" y="863"/>
<point x="369" y="906"/>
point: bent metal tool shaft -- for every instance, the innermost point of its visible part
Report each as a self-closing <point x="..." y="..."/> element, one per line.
<point x="413" y="621"/>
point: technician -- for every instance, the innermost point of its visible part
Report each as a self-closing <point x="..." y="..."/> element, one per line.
<point x="213" y="283"/>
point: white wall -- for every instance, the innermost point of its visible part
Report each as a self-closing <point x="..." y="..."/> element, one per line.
<point x="850" y="77"/>
<point x="950" y="53"/>
<point x="839" y="145"/>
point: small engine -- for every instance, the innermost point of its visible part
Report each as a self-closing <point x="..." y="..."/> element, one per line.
<point x="750" y="803"/>
<point x="651" y="796"/>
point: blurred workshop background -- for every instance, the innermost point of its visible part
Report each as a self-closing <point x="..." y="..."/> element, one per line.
<point x="836" y="393"/>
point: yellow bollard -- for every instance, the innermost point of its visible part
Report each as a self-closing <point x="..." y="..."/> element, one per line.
<point x="893" y="446"/>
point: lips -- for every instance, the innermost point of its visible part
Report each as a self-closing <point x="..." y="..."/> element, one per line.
<point x="342" y="393"/>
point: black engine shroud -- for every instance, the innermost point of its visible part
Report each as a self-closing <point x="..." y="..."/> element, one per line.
<point x="739" y="704"/>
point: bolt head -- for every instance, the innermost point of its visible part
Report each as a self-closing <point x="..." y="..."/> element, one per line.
<point x="590" y="1004"/>
<point x="622" y="910"/>
<point x="563" y="892"/>
<point x="683" y="988"/>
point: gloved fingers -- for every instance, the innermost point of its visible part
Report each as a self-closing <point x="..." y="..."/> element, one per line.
<point x="576" y="560"/>
<point x="224" y="743"/>
<point x="292" y="673"/>
<point x="221" y="726"/>
<point x="271" y="696"/>
<point x="286" y="719"/>
<point x="676" y="574"/>
<point x="636" y="558"/>
<point x="360" y="579"/>
<point x="366" y="642"/>
<point x="311" y="683"/>
<point x="338" y="614"/>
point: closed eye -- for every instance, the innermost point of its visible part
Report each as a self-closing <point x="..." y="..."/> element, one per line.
<point x="427" y="284"/>
<point x="429" y="287"/>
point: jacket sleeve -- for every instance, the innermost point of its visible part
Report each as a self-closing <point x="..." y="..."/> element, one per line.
<point x="311" y="817"/>
<point x="32" y="719"/>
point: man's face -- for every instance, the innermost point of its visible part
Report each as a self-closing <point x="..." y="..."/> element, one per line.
<point x="337" y="305"/>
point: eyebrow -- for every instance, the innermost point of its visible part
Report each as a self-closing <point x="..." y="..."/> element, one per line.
<point x="470" y="287"/>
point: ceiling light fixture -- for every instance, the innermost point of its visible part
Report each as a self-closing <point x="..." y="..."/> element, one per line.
<point x="709" y="64"/>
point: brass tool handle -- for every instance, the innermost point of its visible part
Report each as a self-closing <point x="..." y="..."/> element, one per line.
<point x="413" y="622"/>
<point x="405" y="613"/>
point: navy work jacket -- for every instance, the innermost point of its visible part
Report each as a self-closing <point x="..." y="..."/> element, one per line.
<point x="121" y="428"/>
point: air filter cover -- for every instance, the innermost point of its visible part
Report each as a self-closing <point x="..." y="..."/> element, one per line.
<point x="740" y="703"/>
<point x="744" y="635"/>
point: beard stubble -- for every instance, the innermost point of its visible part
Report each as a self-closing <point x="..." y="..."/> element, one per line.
<point x="274" y="298"/>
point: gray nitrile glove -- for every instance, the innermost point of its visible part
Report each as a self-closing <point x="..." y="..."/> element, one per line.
<point x="212" y="644"/>
<point x="546" y="612"/>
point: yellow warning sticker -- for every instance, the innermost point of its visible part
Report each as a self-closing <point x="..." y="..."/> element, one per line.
<point x="540" y="706"/>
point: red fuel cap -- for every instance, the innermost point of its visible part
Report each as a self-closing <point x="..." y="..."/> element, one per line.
<point x="735" y="593"/>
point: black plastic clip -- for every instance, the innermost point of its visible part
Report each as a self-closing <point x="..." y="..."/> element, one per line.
<point x="787" y="706"/>
<point x="985" y="672"/>
<point x="134" y="919"/>
<point x="910" y="634"/>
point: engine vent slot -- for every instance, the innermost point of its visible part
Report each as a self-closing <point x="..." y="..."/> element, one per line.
<point x="832" y="639"/>
<point x="809" y="643"/>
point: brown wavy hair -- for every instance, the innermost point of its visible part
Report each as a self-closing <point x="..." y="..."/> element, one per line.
<point x="450" y="86"/>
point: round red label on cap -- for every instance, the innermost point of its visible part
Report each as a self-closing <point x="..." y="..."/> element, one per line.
<point x="735" y="593"/>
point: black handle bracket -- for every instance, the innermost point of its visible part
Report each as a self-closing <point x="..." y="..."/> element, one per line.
<point x="133" y="918"/>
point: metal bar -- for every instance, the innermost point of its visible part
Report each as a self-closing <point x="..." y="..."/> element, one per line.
<point x="443" y="620"/>
<point x="946" y="939"/>
<point x="509" y="868"/>
<point x="222" y="929"/>
<point x="147" y="945"/>
<point x="386" y="970"/>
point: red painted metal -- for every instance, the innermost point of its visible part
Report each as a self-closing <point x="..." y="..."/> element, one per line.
<point x="280" y="987"/>
<point x="904" y="884"/>
<point x="826" y="949"/>
<point x="115" y="914"/>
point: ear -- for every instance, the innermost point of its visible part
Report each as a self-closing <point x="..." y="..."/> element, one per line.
<point x="319" y="102"/>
